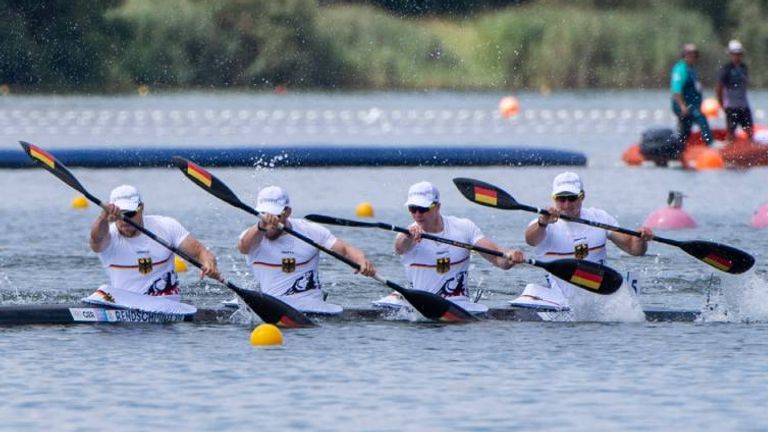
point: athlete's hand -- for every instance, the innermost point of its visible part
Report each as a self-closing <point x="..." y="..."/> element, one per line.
<point x="510" y="258"/>
<point x="269" y="222"/>
<point x="111" y="212"/>
<point x="645" y="233"/>
<point x="209" y="268"/>
<point x="415" y="232"/>
<point x="552" y="217"/>
<point x="367" y="268"/>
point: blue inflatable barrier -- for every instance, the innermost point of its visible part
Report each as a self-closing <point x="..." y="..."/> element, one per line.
<point x="314" y="156"/>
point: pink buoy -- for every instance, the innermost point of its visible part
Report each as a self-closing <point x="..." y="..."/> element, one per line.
<point x="672" y="216"/>
<point x="760" y="218"/>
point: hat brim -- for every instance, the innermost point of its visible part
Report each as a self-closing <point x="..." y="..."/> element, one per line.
<point x="272" y="209"/>
<point x="127" y="205"/>
<point x="419" y="202"/>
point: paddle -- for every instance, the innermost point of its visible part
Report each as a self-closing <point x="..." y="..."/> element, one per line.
<point x="722" y="257"/>
<point x="269" y="309"/>
<point x="589" y="275"/>
<point x="430" y="305"/>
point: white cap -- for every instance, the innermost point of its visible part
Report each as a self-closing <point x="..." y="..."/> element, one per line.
<point x="567" y="183"/>
<point x="126" y="197"/>
<point x="735" y="47"/>
<point x="422" y="194"/>
<point x="272" y="200"/>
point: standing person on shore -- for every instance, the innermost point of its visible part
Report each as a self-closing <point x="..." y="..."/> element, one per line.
<point x="438" y="267"/>
<point x="285" y="266"/>
<point x="555" y="238"/>
<point x="732" y="92"/>
<point x="687" y="95"/>
<point x="141" y="271"/>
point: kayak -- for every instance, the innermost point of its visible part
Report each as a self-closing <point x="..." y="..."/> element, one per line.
<point x="659" y="147"/>
<point x="81" y="313"/>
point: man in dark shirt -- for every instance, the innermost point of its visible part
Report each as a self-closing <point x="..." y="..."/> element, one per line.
<point x="732" y="91"/>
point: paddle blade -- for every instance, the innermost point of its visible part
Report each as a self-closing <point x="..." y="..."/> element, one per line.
<point x="722" y="257"/>
<point x="436" y="308"/>
<point x="50" y="163"/>
<point x="589" y="275"/>
<point x="208" y="181"/>
<point x="330" y="220"/>
<point x="485" y="194"/>
<point x="432" y="306"/>
<point x="272" y="310"/>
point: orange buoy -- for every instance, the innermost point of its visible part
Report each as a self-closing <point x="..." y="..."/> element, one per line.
<point x="509" y="106"/>
<point x="709" y="160"/>
<point x="710" y="108"/>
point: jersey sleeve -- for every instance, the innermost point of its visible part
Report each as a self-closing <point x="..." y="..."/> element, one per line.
<point x="176" y="232"/>
<point x="679" y="75"/>
<point x="474" y="234"/>
<point x="320" y="234"/>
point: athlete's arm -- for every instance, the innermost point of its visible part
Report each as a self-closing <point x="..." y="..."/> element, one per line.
<point x="510" y="258"/>
<point x="100" y="229"/>
<point x="253" y="236"/>
<point x="405" y="242"/>
<point x="536" y="232"/>
<point x="343" y="248"/>
<point x="196" y="250"/>
<point x="630" y="244"/>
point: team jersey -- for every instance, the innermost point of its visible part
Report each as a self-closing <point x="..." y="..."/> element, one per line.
<point x="572" y="240"/>
<point x="141" y="265"/>
<point x="440" y="268"/>
<point x="734" y="79"/>
<point x="288" y="266"/>
<point x="685" y="80"/>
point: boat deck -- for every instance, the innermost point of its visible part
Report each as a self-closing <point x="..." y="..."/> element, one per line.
<point x="88" y="314"/>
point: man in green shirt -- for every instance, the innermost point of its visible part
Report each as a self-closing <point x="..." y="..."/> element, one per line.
<point x="686" y="95"/>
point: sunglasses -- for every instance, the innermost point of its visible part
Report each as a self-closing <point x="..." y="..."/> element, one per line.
<point x="129" y="214"/>
<point x="567" y="198"/>
<point x="417" y="209"/>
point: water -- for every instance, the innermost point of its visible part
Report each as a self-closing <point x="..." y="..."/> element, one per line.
<point x="613" y="374"/>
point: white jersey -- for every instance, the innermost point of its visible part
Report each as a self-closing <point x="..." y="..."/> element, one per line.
<point x="572" y="240"/>
<point x="141" y="265"/>
<point x="441" y="268"/>
<point x="288" y="266"/>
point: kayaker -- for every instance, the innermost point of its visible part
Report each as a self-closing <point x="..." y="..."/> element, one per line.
<point x="556" y="239"/>
<point x="687" y="95"/>
<point x="286" y="267"/>
<point x="137" y="265"/>
<point x="438" y="267"/>
<point x="732" y="92"/>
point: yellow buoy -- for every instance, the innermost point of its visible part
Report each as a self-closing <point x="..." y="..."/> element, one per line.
<point x="364" y="209"/>
<point x="180" y="265"/>
<point x="266" y="334"/>
<point x="509" y="106"/>
<point x="710" y="107"/>
<point x="143" y="90"/>
<point x="5" y="90"/>
<point x="79" y="202"/>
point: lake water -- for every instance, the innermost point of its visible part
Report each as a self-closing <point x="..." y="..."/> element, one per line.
<point x="610" y="372"/>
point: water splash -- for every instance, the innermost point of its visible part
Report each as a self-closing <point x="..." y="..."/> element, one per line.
<point x="741" y="299"/>
<point x="621" y="306"/>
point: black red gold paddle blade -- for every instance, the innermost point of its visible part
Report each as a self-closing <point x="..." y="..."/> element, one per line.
<point x="273" y="310"/>
<point x="50" y="163"/>
<point x="434" y="307"/>
<point x="485" y="194"/>
<point x="201" y="177"/>
<point x="593" y="277"/>
<point x="722" y="257"/>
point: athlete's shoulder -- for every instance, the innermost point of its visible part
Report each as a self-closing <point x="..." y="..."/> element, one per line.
<point x="597" y="215"/>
